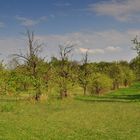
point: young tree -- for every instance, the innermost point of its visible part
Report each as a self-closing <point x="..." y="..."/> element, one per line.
<point x="135" y="66"/>
<point x="136" y="45"/>
<point x="128" y="76"/>
<point x="116" y="74"/>
<point x="136" y="61"/>
<point x="4" y="74"/>
<point x="84" y="73"/>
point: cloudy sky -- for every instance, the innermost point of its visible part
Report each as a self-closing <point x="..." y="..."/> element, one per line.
<point x="103" y="27"/>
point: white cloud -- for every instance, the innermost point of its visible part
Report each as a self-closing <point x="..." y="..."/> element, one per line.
<point x="30" y="22"/>
<point x="125" y="10"/>
<point x="92" y="51"/>
<point x="11" y="45"/>
<point x="100" y="51"/>
<point x="105" y="45"/>
<point x="113" y="49"/>
<point x="2" y="25"/>
<point x="83" y="50"/>
<point x="102" y="45"/>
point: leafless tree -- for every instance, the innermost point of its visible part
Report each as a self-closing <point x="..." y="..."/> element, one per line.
<point x="65" y="68"/>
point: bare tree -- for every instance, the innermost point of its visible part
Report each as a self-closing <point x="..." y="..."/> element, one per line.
<point x="65" y="69"/>
<point x="31" y="59"/>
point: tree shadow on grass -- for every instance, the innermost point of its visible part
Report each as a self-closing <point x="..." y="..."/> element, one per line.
<point x="12" y="100"/>
<point x="117" y="98"/>
<point x="127" y="97"/>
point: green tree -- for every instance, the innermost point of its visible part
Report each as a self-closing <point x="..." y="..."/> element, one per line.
<point x="135" y="66"/>
<point x="116" y="74"/>
<point x="84" y="73"/>
<point x="135" y="63"/>
<point x="128" y="76"/>
<point x="4" y="74"/>
<point x="136" y="46"/>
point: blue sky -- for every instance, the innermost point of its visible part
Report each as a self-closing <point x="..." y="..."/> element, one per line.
<point x="104" y="27"/>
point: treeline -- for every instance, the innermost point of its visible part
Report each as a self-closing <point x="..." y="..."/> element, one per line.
<point x="33" y="75"/>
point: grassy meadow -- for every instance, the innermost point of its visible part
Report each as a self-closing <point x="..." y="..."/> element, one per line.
<point x="114" y="116"/>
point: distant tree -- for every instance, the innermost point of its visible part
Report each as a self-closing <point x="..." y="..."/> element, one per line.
<point x="128" y="76"/>
<point x="135" y="66"/>
<point x="84" y="73"/>
<point x="136" y="45"/>
<point x="103" y="67"/>
<point x="123" y="63"/>
<point x="116" y="74"/>
<point x="135" y="63"/>
<point x="4" y="74"/>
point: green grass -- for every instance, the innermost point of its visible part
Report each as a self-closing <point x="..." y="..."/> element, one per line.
<point x="115" y="116"/>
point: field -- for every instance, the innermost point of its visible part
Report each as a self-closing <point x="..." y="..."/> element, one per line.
<point x="114" y="116"/>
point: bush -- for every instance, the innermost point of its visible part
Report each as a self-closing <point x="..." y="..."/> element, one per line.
<point x="99" y="83"/>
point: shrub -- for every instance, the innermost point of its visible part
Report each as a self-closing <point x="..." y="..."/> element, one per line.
<point x="99" y="83"/>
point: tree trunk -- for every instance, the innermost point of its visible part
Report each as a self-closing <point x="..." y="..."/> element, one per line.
<point x="38" y="94"/>
<point x="85" y="90"/>
<point x="97" y="90"/>
<point x="37" y="97"/>
<point x="125" y="83"/>
<point x="114" y="86"/>
<point x="118" y="86"/>
<point x="63" y="94"/>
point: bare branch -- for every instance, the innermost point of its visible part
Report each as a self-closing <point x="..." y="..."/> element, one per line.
<point x="21" y="56"/>
<point x="65" y="50"/>
<point x="137" y="45"/>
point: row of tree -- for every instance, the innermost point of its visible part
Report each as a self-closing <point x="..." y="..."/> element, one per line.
<point x="34" y="74"/>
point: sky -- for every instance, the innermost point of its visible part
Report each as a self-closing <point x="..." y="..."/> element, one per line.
<point x="103" y="27"/>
